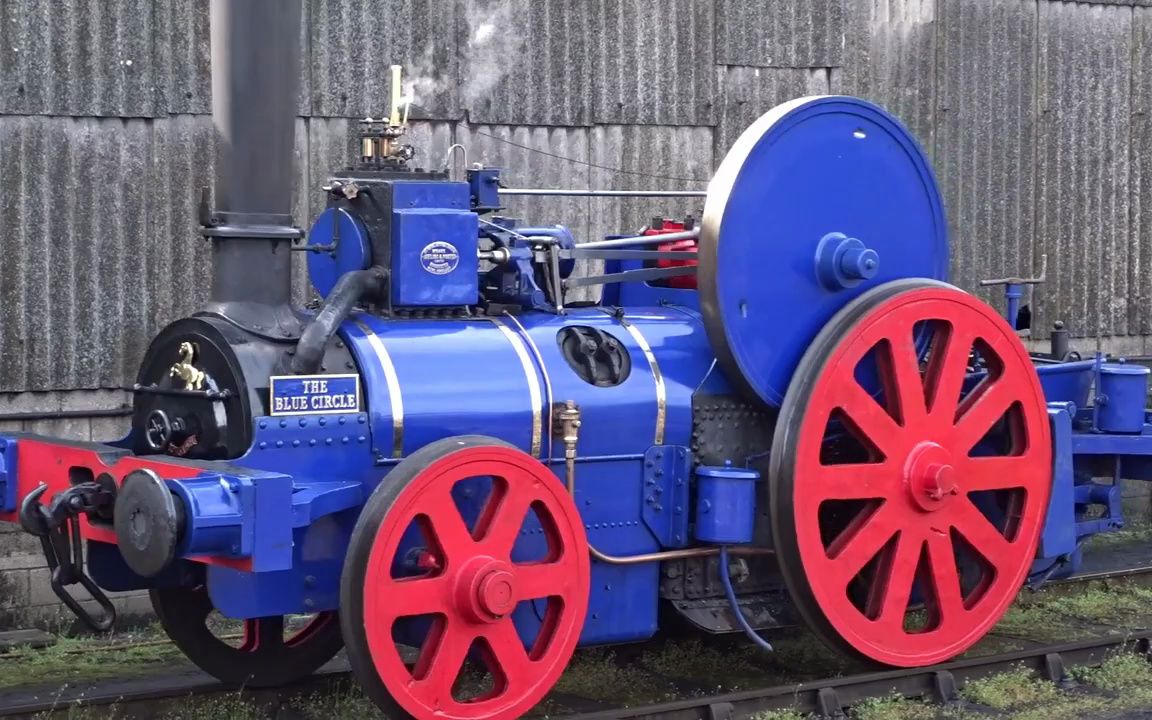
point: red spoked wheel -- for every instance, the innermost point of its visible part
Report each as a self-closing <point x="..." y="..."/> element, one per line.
<point x="910" y="474"/>
<point x="268" y="652"/>
<point x="416" y="561"/>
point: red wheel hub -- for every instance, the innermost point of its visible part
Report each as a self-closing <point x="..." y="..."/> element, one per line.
<point x="899" y="487"/>
<point x="930" y="477"/>
<point x="474" y="585"/>
<point x="486" y="590"/>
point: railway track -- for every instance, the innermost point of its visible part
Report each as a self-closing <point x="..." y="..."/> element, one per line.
<point x="828" y="698"/>
<point x="821" y="697"/>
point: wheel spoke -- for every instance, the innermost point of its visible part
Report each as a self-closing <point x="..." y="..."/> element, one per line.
<point x="861" y="542"/>
<point x="999" y="472"/>
<point x="945" y="578"/>
<point x="855" y="481"/>
<point x="870" y="419"/>
<point x="909" y="388"/>
<point x="897" y="587"/>
<point x="981" y="534"/>
<point x="440" y="665"/>
<point x="408" y="597"/>
<point x="541" y="580"/>
<point x="263" y="634"/>
<point x="508" y="652"/>
<point x="981" y="412"/>
<point x="451" y="534"/>
<point x="502" y="523"/>
<point x="947" y="371"/>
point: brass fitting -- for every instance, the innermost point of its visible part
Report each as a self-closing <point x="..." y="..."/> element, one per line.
<point x="568" y="420"/>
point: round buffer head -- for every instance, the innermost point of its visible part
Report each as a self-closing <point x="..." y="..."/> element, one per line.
<point x="818" y="201"/>
<point x="147" y="522"/>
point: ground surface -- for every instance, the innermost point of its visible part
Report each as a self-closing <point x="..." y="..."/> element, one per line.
<point x="600" y="679"/>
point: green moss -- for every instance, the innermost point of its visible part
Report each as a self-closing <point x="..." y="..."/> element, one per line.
<point x="595" y="675"/>
<point x="780" y="715"/>
<point x="894" y="707"/>
<point x="1128" y="675"/>
<point x="1010" y="690"/>
<point x="74" y="661"/>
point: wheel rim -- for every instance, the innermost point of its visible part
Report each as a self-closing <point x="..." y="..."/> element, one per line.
<point x="264" y="656"/>
<point x="472" y="584"/>
<point x="884" y="489"/>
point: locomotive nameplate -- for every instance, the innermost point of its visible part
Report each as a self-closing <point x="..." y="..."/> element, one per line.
<point x="314" y="394"/>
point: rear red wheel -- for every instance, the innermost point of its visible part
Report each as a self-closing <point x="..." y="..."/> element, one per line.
<point x="414" y="562"/>
<point x="908" y="497"/>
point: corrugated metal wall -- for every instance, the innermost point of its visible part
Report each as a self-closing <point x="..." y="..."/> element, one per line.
<point x="1035" y="112"/>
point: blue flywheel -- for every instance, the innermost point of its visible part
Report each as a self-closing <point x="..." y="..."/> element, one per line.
<point x="818" y="201"/>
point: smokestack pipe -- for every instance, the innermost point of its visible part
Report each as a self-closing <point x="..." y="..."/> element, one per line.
<point x="255" y="71"/>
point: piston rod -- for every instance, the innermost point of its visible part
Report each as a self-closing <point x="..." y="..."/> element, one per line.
<point x="641" y="240"/>
<point x="602" y="193"/>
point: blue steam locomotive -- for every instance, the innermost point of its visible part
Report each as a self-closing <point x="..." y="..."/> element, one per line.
<point x="778" y="413"/>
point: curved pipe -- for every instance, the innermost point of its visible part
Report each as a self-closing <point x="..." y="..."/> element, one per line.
<point x="349" y="290"/>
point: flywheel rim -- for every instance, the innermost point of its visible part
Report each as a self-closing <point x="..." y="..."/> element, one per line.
<point x="472" y="587"/>
<point x="917" y="501"/>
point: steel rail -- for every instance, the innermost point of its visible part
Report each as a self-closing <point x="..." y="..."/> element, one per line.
<point x="828" y="698"/>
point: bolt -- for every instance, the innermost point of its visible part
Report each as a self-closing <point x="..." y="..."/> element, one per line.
<point x="309" y="603"/>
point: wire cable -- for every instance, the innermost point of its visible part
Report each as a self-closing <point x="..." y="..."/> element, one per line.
<point x="585" y="163"/>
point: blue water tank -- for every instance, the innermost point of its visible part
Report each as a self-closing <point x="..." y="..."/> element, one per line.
<point x="1122" y="397"/>
<point x="725" y="504"/>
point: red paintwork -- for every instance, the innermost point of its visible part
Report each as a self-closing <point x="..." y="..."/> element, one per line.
<point x="682" y="281"/>
<point x="478" y="585"/>
<point x="916" y="488"/>
<point x="46" y="462"/>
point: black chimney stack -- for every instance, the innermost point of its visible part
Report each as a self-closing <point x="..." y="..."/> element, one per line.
<point x="255" y="71"/>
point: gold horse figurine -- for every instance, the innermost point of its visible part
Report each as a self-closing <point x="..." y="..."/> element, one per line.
<point x="193" y="378"/>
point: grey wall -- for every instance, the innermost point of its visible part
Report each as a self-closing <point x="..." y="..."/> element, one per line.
<point x="1035" y="112"/>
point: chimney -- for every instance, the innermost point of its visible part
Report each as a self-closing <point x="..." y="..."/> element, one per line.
<point x="255" y="71"/>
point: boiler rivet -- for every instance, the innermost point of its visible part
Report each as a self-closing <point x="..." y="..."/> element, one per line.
<point x="283" y="423"/>
<point x="279" y="443"/>
<point x="303" y="422"/>
<point x="295" y="443"/>
<point x="263" y="445"/>
<point x="312" y="442"/>
<point x="263" y="424"/>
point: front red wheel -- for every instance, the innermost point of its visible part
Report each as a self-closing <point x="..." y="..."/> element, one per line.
<point x="422" y="572"/>
<point x="910" y="474"/>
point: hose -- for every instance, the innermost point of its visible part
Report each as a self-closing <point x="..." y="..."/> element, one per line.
<point x="349" y="290"/>
<point x="726" y="579"/>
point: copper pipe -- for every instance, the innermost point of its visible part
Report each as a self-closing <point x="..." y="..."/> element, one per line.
<point x="569" y="419"/>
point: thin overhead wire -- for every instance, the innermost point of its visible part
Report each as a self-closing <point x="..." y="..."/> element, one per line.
<point x="585" y="163"/>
